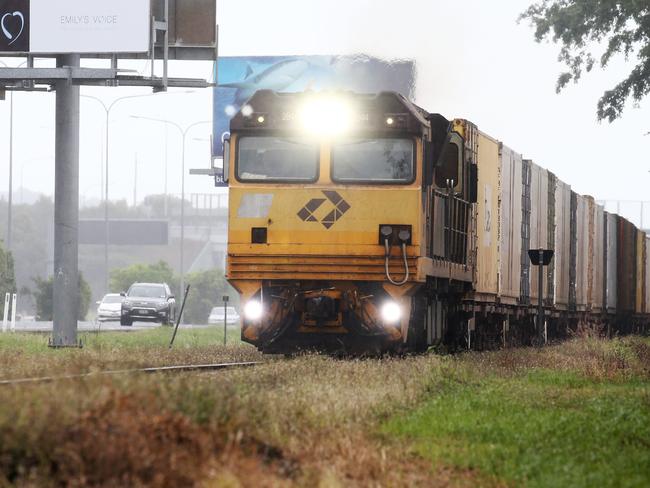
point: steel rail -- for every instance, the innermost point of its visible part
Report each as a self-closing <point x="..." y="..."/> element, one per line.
<point x="155" y="369"/>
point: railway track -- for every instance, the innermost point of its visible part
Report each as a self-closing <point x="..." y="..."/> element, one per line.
<point x="158" y="369"/>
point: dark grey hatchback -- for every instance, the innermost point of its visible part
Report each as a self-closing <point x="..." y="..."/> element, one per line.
<point x="148" y="302"/>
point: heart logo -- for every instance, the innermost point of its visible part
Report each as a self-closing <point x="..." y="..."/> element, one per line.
<point x="5" y="30"/>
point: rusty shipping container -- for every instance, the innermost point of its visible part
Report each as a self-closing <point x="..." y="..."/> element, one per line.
<point x="611" y="259"/>
<point x="562" y="245"/>
<point x="647" y="275"/>
<point x="596" y="253"/>
<point x="640" y="272"/>
<point x="626" y="266"/>
<point x="510" y="226"/>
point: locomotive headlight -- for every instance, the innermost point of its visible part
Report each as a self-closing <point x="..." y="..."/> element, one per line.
<point x="253" y="310"/>
<point x="326" y="116"/>
<point x="391" y="312"/>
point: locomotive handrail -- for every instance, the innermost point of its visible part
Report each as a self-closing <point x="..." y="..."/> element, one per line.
<point x="455" y="227"/>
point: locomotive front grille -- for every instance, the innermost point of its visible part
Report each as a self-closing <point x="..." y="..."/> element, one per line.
<point x="360" y="268"/>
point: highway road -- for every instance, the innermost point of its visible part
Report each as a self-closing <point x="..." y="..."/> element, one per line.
<point x="86" y="326"/>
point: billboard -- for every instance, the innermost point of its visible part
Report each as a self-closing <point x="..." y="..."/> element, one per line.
<point x="74" y="26"/>
<point x="240" y="77"/>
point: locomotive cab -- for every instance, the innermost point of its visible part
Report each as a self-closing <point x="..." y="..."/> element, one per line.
<point x="346" y="214"/>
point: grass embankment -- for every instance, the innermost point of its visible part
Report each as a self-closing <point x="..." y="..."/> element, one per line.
<point x="27" y="355"/>
<point x="574" y="414"/>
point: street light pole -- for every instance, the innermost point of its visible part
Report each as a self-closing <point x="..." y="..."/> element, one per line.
<point x="11" y="160"/>
<point x="166" y="172"/>
<point x="135" y="181"/>
<point x="183" y="133"/>
<point x="11" y="168"/>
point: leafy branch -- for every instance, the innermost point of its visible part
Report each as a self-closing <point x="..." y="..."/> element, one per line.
<point x="579" y="26"/>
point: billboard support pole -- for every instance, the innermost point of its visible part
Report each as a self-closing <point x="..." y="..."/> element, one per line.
<point x="166" y="45"/>
<point x="66" y="208"/>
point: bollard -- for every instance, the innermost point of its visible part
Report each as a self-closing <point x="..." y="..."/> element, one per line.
<point x="13" y="312"/>
<point x="6" y="313"/>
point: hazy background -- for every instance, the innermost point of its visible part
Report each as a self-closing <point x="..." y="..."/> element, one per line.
<point x="473" y="61"/>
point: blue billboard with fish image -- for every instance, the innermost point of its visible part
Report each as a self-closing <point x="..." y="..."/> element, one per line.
<point x="241" y="76"/>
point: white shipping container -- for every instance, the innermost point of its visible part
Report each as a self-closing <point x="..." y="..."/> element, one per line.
<point x="611" y="251"/>
<point x="510" y="225"/>
<point x="538" y="223"/>
<point x="598" y="258"/>
<point x="562" y="243"/>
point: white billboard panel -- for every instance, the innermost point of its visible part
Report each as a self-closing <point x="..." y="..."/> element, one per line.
<point x="89" y="26"/>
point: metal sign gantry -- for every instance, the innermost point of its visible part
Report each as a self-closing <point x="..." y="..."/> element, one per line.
<point x="66" y="79"/>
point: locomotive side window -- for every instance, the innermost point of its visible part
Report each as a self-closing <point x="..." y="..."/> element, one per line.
<point x="265" y="158"/>
<point x="373" y="161"/>
<point x="450" y="164"/>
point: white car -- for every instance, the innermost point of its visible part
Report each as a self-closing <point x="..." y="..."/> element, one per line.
<point x="217" y="313"/>
<point x="110" y="307"/>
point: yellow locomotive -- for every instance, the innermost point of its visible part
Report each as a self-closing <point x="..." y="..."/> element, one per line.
<point x="364" y="223"/>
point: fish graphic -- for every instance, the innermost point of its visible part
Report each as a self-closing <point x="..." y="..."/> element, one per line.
<point x="276" y="77"/>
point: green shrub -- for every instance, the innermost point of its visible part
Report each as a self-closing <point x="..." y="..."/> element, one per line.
<point x="160" y="272"/>
<point x="7" y="277"/>
<point x="207" y="289"/>
<point x="43" y="296"/>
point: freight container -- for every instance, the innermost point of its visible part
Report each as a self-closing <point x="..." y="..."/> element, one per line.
<point x="611" y="259"/>
<point x="647" y="275"/>
<point x="640" y="270"/>
<point x="598" y="258"/>
<point x="525" y="231"/>
<point x="510" y="226"/>
<point x="626" y="266"/>
<point x="582" y="254"/>
<point x="589" y="201"/>
<point x="487" y="252"/>
<point x="549" y="299"/>
<point x="595" y="260"/>
<point x="538" y="222"/>
<point x="573" y="251"/>
<point x="562" y="245"/>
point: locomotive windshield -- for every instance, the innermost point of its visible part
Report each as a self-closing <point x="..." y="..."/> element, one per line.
<point x="266" y="158"/>
<point x="373" y="161"/>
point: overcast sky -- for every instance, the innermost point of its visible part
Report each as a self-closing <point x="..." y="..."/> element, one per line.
<point x="473" y="61"/>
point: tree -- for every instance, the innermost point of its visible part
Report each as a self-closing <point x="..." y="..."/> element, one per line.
<point x="85" y="295"/>
<point x="581" y="26"/>
<point x="43" y="295"/>
<point x="206" y="290"/>
<point x="160" y="272"/>
<point x="7" y="277"/>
